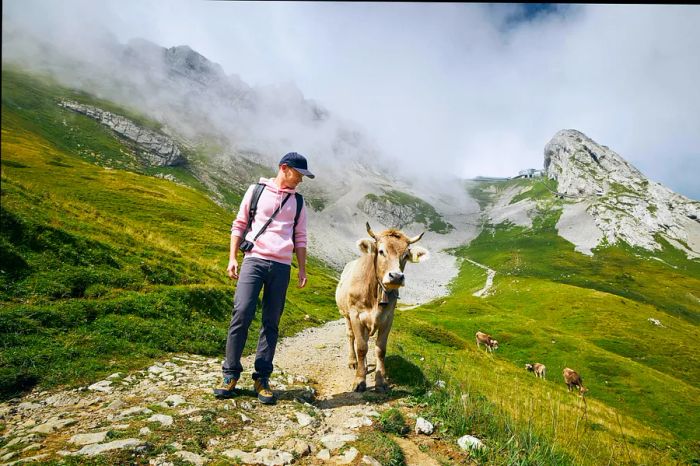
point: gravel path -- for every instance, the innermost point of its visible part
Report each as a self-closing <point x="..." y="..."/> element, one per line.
<point x="166" y="413"/>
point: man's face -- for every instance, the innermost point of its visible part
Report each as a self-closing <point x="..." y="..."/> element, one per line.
<point x="291" y="177"/>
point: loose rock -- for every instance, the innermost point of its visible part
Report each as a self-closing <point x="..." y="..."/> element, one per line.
<point x="469" y="442"/>
<point x="53" y="425"/>
<point x="96" y="449"/>
<point x="164" y="419"/>
<point x="348" y="457"/>
<point x="191" y="457"/>
<point x="102" y="386"/>
<point x="423" y="426"/>
<point x="87" y="439"/>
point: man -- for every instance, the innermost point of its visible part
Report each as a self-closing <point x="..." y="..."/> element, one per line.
<point x="267" y="266"/>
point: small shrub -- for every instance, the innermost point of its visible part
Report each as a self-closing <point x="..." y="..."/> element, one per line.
<point x="96" y="291"/>
<point x="14" y="383"/>
<point x="392" y="421"/>
<point x="159" y="274"/>
<point x="13" y="264"/>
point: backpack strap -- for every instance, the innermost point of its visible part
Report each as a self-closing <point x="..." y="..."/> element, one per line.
<point x="257" y="192"/>
<point x="300" y="204"/>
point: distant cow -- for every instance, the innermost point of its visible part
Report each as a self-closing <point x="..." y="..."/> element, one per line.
<point x="367" y="294"/>
<point x="539" y="369"/>
<point x="572" y="379"/>
<point x="486" y="339"/>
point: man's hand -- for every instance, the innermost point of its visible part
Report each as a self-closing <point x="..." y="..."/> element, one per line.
<point x="301" y="258"/>
<point x="232" y="269"/>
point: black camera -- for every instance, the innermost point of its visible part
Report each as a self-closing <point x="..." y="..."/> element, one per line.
<point x="245" y="245"/>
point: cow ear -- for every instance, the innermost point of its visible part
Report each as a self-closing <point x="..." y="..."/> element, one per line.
<point x="418" y="254"/>
<point x="366" y="245"/>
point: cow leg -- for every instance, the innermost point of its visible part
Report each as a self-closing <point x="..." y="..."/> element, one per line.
<point x="352" y="358"/>
<point x="380" y="351"/>
<point x="361" y="337"/>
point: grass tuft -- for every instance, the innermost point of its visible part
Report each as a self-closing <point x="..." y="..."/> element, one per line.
<point x="381" y="447"/>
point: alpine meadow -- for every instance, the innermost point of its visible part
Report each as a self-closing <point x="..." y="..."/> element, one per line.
<point x="113" y="285"/>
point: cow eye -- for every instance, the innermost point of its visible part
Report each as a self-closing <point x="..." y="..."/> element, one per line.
<point x="381" y="252"/>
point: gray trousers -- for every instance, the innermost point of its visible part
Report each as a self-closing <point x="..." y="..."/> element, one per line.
<point x="256" y="274"/>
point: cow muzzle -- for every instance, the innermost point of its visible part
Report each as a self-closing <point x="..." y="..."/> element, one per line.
<point x="394" y="280"/>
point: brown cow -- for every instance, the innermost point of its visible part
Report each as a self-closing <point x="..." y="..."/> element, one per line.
<point x="486" y="339"/>
<point x="572" y="379"/>
<point x="539" y="369"/>
<point x="367" y="293"/>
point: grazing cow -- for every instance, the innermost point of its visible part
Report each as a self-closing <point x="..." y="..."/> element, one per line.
<point x="572" y="379"/>
<point x="486" y="339"/>
<point x="367" y="293"/>
<point x="539" y="369"/>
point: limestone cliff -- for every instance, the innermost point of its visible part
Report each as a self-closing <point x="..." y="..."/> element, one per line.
<point x="155" y="149"/>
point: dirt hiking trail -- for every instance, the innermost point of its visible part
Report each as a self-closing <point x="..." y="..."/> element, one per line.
<point x="166" y="414"/>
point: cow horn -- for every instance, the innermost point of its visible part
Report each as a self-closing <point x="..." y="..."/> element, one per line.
<point x="414" y="240"/>
<point x="369" y="230"/>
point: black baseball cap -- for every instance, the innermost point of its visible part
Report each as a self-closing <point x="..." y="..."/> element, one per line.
<point x="297" y="162"/>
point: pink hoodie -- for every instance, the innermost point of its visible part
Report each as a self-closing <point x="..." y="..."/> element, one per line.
<point x="276" y="241"/>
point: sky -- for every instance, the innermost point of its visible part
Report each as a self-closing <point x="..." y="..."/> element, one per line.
<point x="455" y="88"/>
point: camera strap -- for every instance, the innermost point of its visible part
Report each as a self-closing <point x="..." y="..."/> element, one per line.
<point x="272" y="216"/>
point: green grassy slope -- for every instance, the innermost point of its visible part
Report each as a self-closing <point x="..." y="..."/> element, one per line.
<point x="558" y="307"/>
<point x="105" y="268"/>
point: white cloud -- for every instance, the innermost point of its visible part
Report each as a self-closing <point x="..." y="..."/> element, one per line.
<point x="469" y="89"/>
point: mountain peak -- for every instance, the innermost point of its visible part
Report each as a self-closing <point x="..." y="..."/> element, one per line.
<point x="183" y="60"/>
<point x="582" y="167"/>
<point x="622" y="202"/>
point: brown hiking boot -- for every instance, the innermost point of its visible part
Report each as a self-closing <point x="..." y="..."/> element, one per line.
<point x="227" y="388"/>
<point x="265" y="395"/>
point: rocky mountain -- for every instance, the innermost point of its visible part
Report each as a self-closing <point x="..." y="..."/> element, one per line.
<point x="609" y="200"/>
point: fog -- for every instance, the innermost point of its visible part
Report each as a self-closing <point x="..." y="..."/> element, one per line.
<point x="443" y="89"/>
